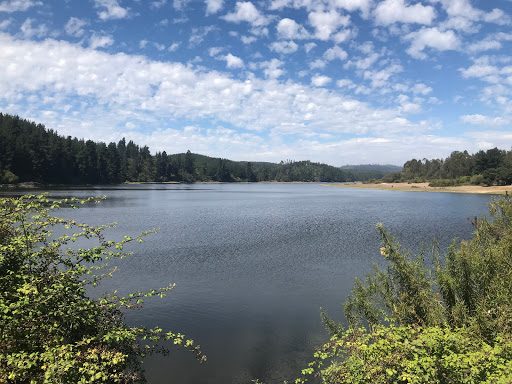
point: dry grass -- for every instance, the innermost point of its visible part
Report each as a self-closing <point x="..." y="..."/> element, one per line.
<point x="423" y="187"/>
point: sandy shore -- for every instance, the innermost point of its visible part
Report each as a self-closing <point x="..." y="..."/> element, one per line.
<point x="423" y="187"/>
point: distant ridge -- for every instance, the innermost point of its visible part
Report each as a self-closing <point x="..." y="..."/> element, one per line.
<point x="374" y="167"/>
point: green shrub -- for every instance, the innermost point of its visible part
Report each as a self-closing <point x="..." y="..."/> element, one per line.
<point x="51" y="331"/>
<point x="448" y="324"/>
<point x="477" y="180"/>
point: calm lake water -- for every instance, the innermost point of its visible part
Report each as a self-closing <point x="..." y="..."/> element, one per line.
<point x="253" y="263"/>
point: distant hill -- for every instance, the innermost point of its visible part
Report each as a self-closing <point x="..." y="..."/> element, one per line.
<point x="388" y="168"/>
<point x="31" y="153"/>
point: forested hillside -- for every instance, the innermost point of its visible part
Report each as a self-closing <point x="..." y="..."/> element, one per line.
<point x="30" y="152"/>
<point x="491" y="167"/>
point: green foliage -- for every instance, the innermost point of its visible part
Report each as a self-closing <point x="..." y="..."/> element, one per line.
<point x="34" y="153"/>
<point x="493" y="166"/>
<point x="10" y="178"/>
<point x="408" y="354"/>
<point x="51" y="331"/>
<point x="451" y="323"/>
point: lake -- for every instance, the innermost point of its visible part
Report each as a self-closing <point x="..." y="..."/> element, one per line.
<point x="253" y="263"/>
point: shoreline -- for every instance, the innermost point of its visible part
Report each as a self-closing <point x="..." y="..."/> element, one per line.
<point x="424" y="187"/>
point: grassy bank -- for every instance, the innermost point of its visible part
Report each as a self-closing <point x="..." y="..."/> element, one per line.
<point x="424" y="187"/>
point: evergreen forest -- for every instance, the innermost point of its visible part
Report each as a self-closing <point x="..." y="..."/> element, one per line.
<point x="30" y="152"/>
<point x="491" y="167"/>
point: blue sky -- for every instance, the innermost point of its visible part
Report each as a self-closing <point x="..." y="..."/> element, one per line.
<point x="335" y="81"/>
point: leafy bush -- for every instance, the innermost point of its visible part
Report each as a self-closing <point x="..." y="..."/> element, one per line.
<point x="50" y="330"/>
<point x="477" y="180"/>
<point x="448" y="324"/>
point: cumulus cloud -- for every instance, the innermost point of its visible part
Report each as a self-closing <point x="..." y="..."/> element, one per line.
<point x="213" y="6"/>
<point x="248" y="39"/>
<point x="114" y="89"/>
<point x="317" y="64"/>
<point x="284" y="47"/>
<point x="233" y="61"/>
<point x="289" y="29"/>
<point x="421" y="89"/>
<point x="74" y="27"/>
<point x="352" y="5"/>
<point x="110" y="9"/>
<point x="484" y="45"/>
<point x="272" y="68"/>
<point x="431" y="38"/>
<point x="247" y="12"/>
<point x="392" y="11"/>
<point x="28" y="30"/>
<point x="335" y="53"/>
<point x="102" y="41"/>
<point x="18" y="5"/>
<point x="327" y="23"/>
<point x="381" y="78"/>
<point x="320" y="81"/>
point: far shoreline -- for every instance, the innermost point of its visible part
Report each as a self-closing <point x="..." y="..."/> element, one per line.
<point x="424" y="187"/>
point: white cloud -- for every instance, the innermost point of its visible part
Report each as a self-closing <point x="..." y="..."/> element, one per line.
<point x="214" y="51"/>
<point x="198" y="34"/>
<point x="392" y="11"/>
<point x="320" y="81"/>
<point x="284" y="47"/>
<point x="461" y="8"/>
<point x="180" y="5"/>
<point x="481" y="69"/>
<point x="327" y="23"/>
<point x="463" y="14"/>
<point x="143" y="44"/>
<point x="18" y="5"/>
<point x="101" y="41"/>
<point x="421" y="89"/>
<point x="112" y="10"/>
<point x="158" y="4"/>
<point x="381" y="78"/>
<point x="309" y="46"/>
<point x="173" y="47"/>
<point x="28" y="31"/>
<point x="478" y="119"/>
<point x="335" y="53"/>
<point x="74" y="27"/>
<point x="317" y="64"/>
<point x="363" y="63"/>
<point x="406" y="106"/>
<point x="4" y="24"/>
<point x="352" y="5"/>
<point x="272" y="68"/>
<point x="344" y="35"/>
<point x="345" y="83"/>
<point x="497" y="16"/>
<point x="246" y="11"/>
<point x="233" y="61"/>
<point x="213" y="6"/>
<point x="484" y="45"/>
<point x="289" y="29"/>
<point x="431" y="38"/>
<point x="114" y="89"/>
<point x="248" y="39"/>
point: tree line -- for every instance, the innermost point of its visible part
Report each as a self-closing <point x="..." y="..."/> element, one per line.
<point x="491" y="167"/>
<point x="31" y="152"/>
